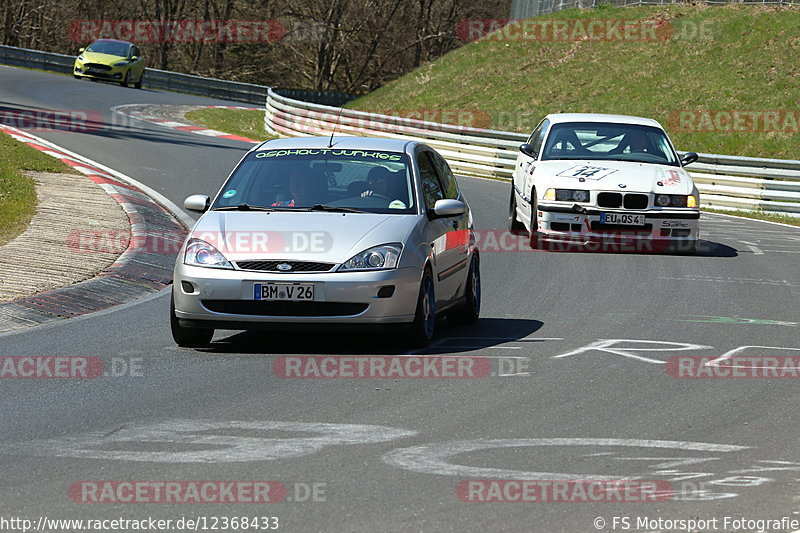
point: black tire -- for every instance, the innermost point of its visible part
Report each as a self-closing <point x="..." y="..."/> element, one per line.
<point x="77" y="77"/>
<point x="187" y="337"/>
<point x="126" y="80"/>
<point x="514" y="225"/>
<point x="424" y="325"/>
<point x="535" y="236"/>
<point x="470" y="312"/>
<point x="138" y="84"/>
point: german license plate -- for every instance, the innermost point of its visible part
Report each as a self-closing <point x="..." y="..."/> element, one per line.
<point x="287" y="292"/>
<point x="622" y="219"/>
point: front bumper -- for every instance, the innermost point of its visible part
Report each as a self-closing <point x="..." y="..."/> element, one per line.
<point x="585" y="222"/>
<point x="115" y="74"/>
<point x="339" y="297"/>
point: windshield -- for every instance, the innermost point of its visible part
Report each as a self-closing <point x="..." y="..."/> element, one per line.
<point x="609" y="141"/>
<point x="110" y="48"/>
<point x="364" y="180"/>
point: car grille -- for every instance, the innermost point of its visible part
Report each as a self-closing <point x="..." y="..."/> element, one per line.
<point x="297" y="266"/>
<point x="261" y="308"/>
<point x="97" y="66"/>
<point x="564" y="226"/>
<point x="615" y="199"/>
<point x="609" y="199"/>
<point x="635" y="201"/>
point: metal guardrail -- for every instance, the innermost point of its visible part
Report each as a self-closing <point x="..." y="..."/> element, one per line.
<point x="171" y="81"/>
<point x="725" y="182"/>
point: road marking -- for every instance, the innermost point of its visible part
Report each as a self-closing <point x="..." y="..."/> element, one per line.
<point x="755" y="249"/>
<point x="727" y="355"/>
<point x="605" y="345"/>
<point x="220" y="442"/>
<point x="751" y="219"/>
<point x="435" y="458"/>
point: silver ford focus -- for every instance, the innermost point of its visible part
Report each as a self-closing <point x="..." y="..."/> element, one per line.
<point x="344" y="230"/>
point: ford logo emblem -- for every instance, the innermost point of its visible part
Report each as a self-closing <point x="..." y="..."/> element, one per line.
<point x="622" y="185"/>
<point x="283" y="267"/>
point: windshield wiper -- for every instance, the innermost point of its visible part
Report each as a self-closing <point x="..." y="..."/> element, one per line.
<point x="335" y="209"/>
<point x="630" y="160"/>
<point x="247" y="207"/>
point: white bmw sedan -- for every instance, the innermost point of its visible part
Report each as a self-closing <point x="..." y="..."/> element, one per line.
<point x="329" y="231"/>
<point x="589" y="177"/>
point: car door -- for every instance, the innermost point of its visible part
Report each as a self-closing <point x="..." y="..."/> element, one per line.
<point x="138" y="65"/>
<point x="523" y="172"/>
<point x="458" y="238"/>
<point x="443" y="231"/>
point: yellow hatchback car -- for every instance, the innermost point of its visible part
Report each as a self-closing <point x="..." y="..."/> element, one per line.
<point x="111" y="60"/>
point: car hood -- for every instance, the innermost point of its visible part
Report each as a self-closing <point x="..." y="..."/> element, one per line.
<point x="103" y="59"/>
<point x="612" y="175"/>
<point x="300" y="236"/>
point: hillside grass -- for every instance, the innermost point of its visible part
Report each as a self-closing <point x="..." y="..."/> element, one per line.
<point x="18" y="191"/>
<point x="733" y="58"/>
<point x="245" y="122"/>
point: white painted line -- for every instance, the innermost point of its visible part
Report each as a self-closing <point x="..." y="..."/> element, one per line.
<point x="731" y="353"/>
<point x="171" y="124"/>
<point x="755" y="249"/>
<point x="752" y="219"/>
<point x="519" y="339"/>
<point x="435" y="458"/>
<point x="210" y="133"/>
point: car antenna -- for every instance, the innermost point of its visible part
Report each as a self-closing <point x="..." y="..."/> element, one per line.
<point x="330" y="143"/>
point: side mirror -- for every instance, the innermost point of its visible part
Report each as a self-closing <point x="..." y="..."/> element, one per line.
<point x="197" y="202"/>
<point x="81" y="50"/>
<point x="527" y="149"/>
<point x="689" y="158"/>
<point x="135" y="58"/>
<point x="449" y="208"/>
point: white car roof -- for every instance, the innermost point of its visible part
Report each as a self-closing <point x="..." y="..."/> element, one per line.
<point x="558" y="118"/>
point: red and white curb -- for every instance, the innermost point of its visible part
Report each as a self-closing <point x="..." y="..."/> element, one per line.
<point x="127" y="196"/>
<point x="141" y="112"/>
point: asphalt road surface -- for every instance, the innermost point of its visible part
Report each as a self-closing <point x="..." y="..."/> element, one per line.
<point x="579" y="388"/>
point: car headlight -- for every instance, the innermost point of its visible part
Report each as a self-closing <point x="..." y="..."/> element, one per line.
<point x="381" y="257"/>
<point x="120" y="63"/>
<point x="675" y="200"/>
<point x="200" y="253"/>
<point x="567" y="195"/>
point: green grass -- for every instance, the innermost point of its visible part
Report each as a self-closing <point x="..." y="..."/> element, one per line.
<point x="728" y="58"/>
<point x="17" y="191"/>
<point x="245" y="122"/>
<point x="758" y="215"/>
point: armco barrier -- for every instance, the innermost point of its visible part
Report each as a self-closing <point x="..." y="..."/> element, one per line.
<point x="170" y="81"/>
<point x="725" y="182"/>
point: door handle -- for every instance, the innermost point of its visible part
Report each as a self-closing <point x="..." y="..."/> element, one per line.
<point x="455" y="224"/>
